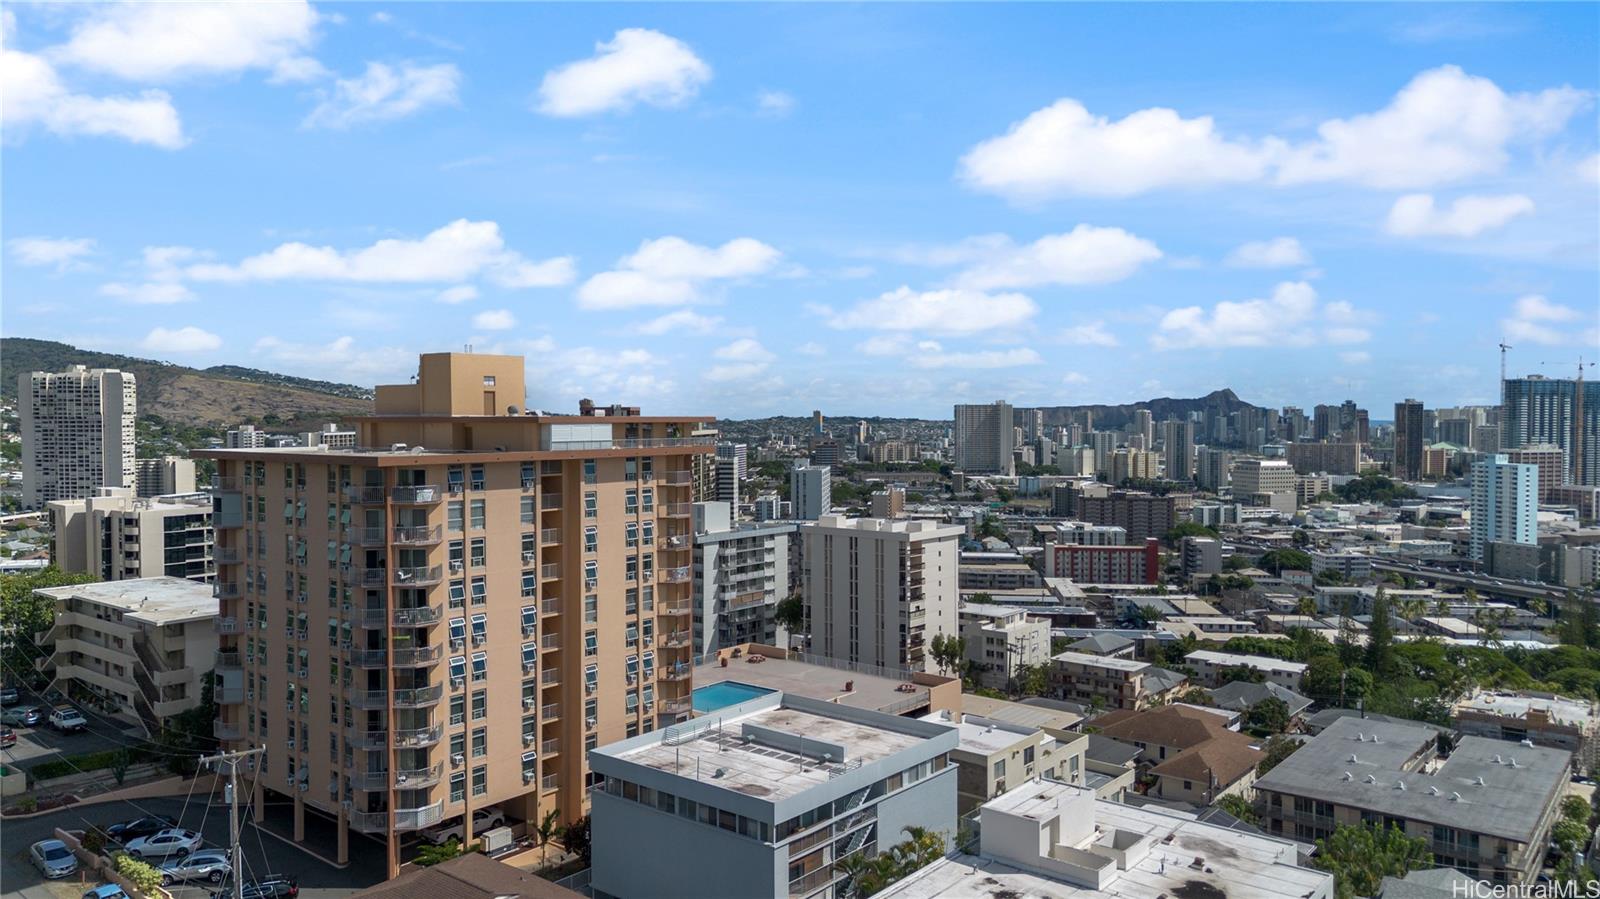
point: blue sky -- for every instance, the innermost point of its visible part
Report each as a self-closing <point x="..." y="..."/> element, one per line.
<point x="745" y="210"/>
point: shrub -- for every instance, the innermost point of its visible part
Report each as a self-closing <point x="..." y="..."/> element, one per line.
<point x="94" y="840"/>
<point x="144" y="877"/>
<point x="88" y="761"/>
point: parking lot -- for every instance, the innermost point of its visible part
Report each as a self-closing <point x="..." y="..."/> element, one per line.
<point x="40" y="744"/>
<point x="262" y="852"/>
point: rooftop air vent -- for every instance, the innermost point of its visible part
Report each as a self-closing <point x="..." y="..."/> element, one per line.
<point x="1370" y="779"/>
<point x="1352" y="758"/>
<point x="1478" y="780"/>
<point x="1348" y="776"/>
<point x="1455" y="797"/>
<point x="1433" y="791"/>
<point x="1400" y="785"/>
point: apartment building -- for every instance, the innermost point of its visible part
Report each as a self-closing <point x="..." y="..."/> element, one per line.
<point x="741" y="572"/>
<point x="1201" y="556"/>
<point x="1264" y="482"/>
<point x="889" y="502"/>
<point x="994" y="755"/>
<point x="1109" y="682"/>
<point x="163" y="477"/>
<point x="144" y="645"/>
<point x="115" y="535"/>
<point x="1106" y="564"/>
<point x="1085" y="534"/>
<point x="330" y="435"/>
<point x="1188" y="752"/>
<point x="1545" y="719"/>
<point x="244" y="437"/>
<point x="1551" y="461"/>
<point x="1560" y="412"/>
<point x="1135" y="465"/>
<point x="1505" y="503"/>
<point x="1485" y="810"/>
<point x="1140" y="515"/>
<point x="764" y="798"/>
<point x="1177" y="442"/>
<point x="1410" y="439"/>
<point x="1213" y="469"/>
<point x="1002" y="639"/>
<point x="810" y="491"/>
<point x="1209" y="665"/>
<point x="985" y="438"/>
<point x="492" y="594"/>
<point x="77" y="432"/>
<point x="1326" y="458"/>
<point x="733" y="466"/>
<point x="878" y="591"/>
<point x="1050" y="839"/>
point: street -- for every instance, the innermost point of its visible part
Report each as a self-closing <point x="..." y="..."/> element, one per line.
<point x="262" y="852"/>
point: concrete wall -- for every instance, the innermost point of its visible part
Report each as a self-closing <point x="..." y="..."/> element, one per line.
<point x="647" y="852"/>
<point x="930" y="803"/>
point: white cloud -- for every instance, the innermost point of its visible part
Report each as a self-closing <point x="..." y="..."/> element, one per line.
<point x="745" y="349"/>
<point x="340" y="359"/>
<point x="776" y="104"/>
<point x="1443" y="126"/>
<point x="1414" y="215"/>
<point x="517" y="272"/>
<point x="686" y="320"/>
<point x="1089" y="334"/>
<point x="1589" y="169"/>
<point x="934" y="356"/>
<point x="1074" y="377"/>
<point x="187" y="339"/>
<point x="1534" y="319"/>
<point x="149" y="293"/>
<point x="935" y="311"/>
<point x="458" y="251"/>
<point x="1279" y="252"/>
<point x="1084" y="255"/>
<point x="494" y="320"/>
<point x="61" y="253"/>
<point x="1292" y="316"/>
<point x="735" y="371"/>
<point x="461" y="293"/>
<point x="35" y="95"/>
<point x="669" y="270"/>
<point x="1355" y="357"/>
<point x="636" y="66"/>
<point x="384" y="93"/>
<point x="160" y="41"/>
<point x="811" y="348"/>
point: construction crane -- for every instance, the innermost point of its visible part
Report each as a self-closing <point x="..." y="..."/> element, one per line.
<point x="1503" y="348"/>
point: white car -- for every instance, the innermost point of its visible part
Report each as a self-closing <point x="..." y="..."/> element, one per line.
<point x="167" y="842"/>
<point x="482" y="819"/>
<point x="207" y="864"/>
<point x="53" y="859"/>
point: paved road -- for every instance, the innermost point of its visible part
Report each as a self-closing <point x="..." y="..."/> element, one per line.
<point x="262" y="852"/>
<point x="41" y="744"/>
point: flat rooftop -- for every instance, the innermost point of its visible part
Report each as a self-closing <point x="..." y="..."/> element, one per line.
<point x="989" y="610"/>
<point x="154" y="600"/>
<point x="1115" y="664"/>
<point x="1232" y="863"/>
<point x="1231" y="660"/>
<point x="867" y="691"/>
<point x="1571" y="712"/>
<point x="1037" y="717"/>
<point x="706" y="746"/>
<point x="983" y="736"/>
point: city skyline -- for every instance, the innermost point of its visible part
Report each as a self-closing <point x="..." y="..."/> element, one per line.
<point x="756" y="211"/>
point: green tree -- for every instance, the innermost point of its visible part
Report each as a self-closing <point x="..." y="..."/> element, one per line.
<point x="575" y="837"/>
<point x="1359" y="857"/>
<point x="1240" y="808"/>
<point x="1276" y="750"/>
<point x="1269" y="716"/>
<point x="1175" y="535"/>
<point x="1277" y="560"/>
<point x="1240" y="673"/>
<point x="1380" y="635"/>
<point x="791" y="612"/>
<point x="549" y="826"/>
<point x="1033" y="680"/>
<point x="26" y="615"/>
<point x="949" y="652"/>
<point x="429" y="855"/>
<point x="144" y="876"/>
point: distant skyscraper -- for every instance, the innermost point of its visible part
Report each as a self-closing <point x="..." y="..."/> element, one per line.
<point x="1213" y="469"/>
<point x="984" y="437"/>
<point x="732" y="469"/>
<point x="1142" y="426"/>
<point x="1031" y="421"/>
<point x="810" y="491"/>
<point x="1352" y="423"/>
<point x="163" y="477"/>
<point x="816" y="423"/>
<point x="1557" y="411"/>
<point x="1324" y="422"/>
<point x="77" y="432"/>
<point x="1177" y="439"/>
<point x="1410" y="429"/>
<point x="1550" y="461"/>
<point x="1505" y="503"/>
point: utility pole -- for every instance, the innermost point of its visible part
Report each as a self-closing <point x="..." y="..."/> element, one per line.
<point x="235" y="854"/>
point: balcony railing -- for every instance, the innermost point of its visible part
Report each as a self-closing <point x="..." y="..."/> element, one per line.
<point x="676" y="510"/>
<point x="677" y="575"/>
<point x="369" y="537"/>
<point x="548" y="501"/>
<point x="364" y="495"/>
<point x="417" y="737"/>
<point x="550" y="677"/>
<point x="550" y="641"/>
<point x="550" y="711"/>
<point x="416" y="495"/>
<point x="226" y="555"/>
<point x="677" y="706"/>
<point x="229" y="695"/>
<point x="548" y="536"/>
<point x="550" y="782"/>
<point x="417" y="616"/>
<point x="674" y="607"/>
<point x="229" y="589"/>
<point x="229" y="625"/>
<point x="368" y="658"/>
<point x="418" y="536"/>
<point x="675" y="541"/>
<point x="629" y="443"/>
<point x="226" y="731"/>
<point x="372" y="739"/>
<point x="227" y="484"/>
<point x="678" y="479"/>
<point x="417" y="778"/>
<point x="418" y="577"/>
<point x="550" y="571"/>
<point x="677" y="672"/>
<point x="363" y="577"/>
<point x="228" y="659"/>
<point x="675" y="639"/>
<point x="418" y="697"/>
<point x="551" y="606"/>
<point x="418" y="657"/>
<point x="550" y="747"/>
<point x="404" y="818"/>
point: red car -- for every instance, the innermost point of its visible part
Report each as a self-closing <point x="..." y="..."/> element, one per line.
<point x="8" y="737"/>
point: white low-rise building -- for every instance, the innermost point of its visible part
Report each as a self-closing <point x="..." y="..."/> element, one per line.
<point x="1002" y="639"/>
<point x="1209" y="665"/>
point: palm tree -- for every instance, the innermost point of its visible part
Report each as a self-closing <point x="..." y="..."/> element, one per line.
<point x="1538" y="607"/>
<point x="546" y="831"/>
<point x="1307" y="607"/>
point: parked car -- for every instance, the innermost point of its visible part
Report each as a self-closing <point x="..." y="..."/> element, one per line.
<point x="207" y="864"/>
<point x="106" y="891"/>
<point x="68" y="720"/>
<point x="271" y="886"/>
<point x="22" y="716"/>
<point x="164" y="843"/>
<point x="140" y="827"/>
<point x="482" y="819"/>
<point x="53" y="859"/>
<point x="8" y="738"/>
<point x="9" y="696"/>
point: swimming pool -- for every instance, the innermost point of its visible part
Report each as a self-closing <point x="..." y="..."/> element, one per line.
<point x="714" y="696"/>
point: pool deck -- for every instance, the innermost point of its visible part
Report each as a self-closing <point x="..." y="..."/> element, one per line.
<point x="869" y="691"/>
<point x="738" y="692"/>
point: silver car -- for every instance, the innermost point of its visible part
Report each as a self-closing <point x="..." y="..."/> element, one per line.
<point x="53" y="859"/>
<point x="208" y="864"/>
<point x="166" y="843"/>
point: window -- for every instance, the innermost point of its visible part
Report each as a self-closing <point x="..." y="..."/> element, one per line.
<point x="530" y="656"/>
<point x="480" y="705"/>
<point x="633" y="668"/>
<point x="480" y="780"/>
<point x="530" y="584"/>
<point x="452" y="516"/>
<point x="458" y="785"/>
<point x="458" y="594"/>
<point x="476" y="481"/>
<point x="648" y="494"/>
<point x="479" y="515"/>
<point x="530" y="619"/>
<point x="591" y="539"/>
<point x="649" y="533"/>
<point x="589" y="471"/>
<point x="480" y="629"/>
<point x="591" y="678"/>
<point x="458" y="669"/>
<point x="480" y="742"/>
<point x="630" y="469"/>
<point x="591" y="643"/>
<point x="530" y="765"/>
<point x="479" y="552"/>
<point x="591" y="609"/>
<point x="458" y="631"/>
<point x="630" y="501"/>
<point x="458" y="715"/>
<point x="458" y="555"/>
<point x="1027" y="755"/>
<point x="591" y="572"/>
<point x="528" y="475"/>
<point x="480" y="666"/>
<point x="527" y="510"/>
<point x="631" y="534"/>
<point x="454" y="479"/>
<point x="480" y="590"/>
<point x="631" y="569"/>
<point x="591" y="505"/>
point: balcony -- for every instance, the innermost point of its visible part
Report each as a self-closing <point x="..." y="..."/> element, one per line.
<point x="227" y="485"/>
<point x="550" y="571"/>
<point x="372" y="740"/>
<point x="368" y="537"/>
<point x="549" y="536"/>
<point x="678" y="479"/>
<point x="418" y="697"/>
<point x="418" y="778"/>
<point x="550" y="641"/>
<point x="678" y="706"/>
<point x="367" y="658"/>
<point x="550" y="783"/>
<point x="226" y="555"/>
<point x="549" y="501"/>
<point x="418" y="577"/>
<point x="226" y="731"/>
<point x="675" y="541"/>
<point x="417" y="616"/>
<point x="364" y="496"/>
<point x="416" y="495"/>
<point x="677" y="575"/>
<point x="228" y="589"/>
<point x="404" y="818"/>
<point x="419" y="536"/>
<point x="419" y="657"/>
<point x="674" y="607"/>
<point x="550" y="747"/>
<point x="675" y="639"/>
<point x="551" y="606"/>
<point x="363" y="577"/>
<point x="228" y="660"/>
<point x="229" y="625"/>
<point x="680" y="672"/>
<point x="676" y="510"/>
<point x="549" y="677"/>
<point x="418" y="737"/>
<point x="550" y="711"/>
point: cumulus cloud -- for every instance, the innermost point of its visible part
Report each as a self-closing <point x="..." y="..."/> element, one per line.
<point x="1445" y="125"/>
<point x="494" y="320"/>
<point x="164" y="41"/>
<point x="954" y="311"/>
<point x="1589" y="169"/>
<point x="1089" y="334"/>
<point x="341" y="359"/>
<point x="669" y="271"/>
<point x="1084" y="255"/>
<point x="1535" y="319"/>
<point x="60" y="253"/>
<point x="384" y="93"/>
<point x="1074" y="377"/>
<point x="811" y="348"/>
<point x="1355" y="357"/>
<point x="1279" y="252"/>
<point x="686" y="320"/>
<point x="459" y="251"/>
<point x="36" y="96"/>
<point x="745" y="349"/>
<point x="774" y="103"/>
<point x="187" y="339"/>
<point x="1292" y="316"/>
<point x="932" y="355"/>
<point x="149" y="293"/>
<point x="461" y="293"/>
<point x="636" y="66"/>
<point x="1415" y="215"/>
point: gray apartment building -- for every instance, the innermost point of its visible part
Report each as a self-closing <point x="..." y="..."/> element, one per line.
<point x="763" y="798"/>
<point x="741" y="572"/>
